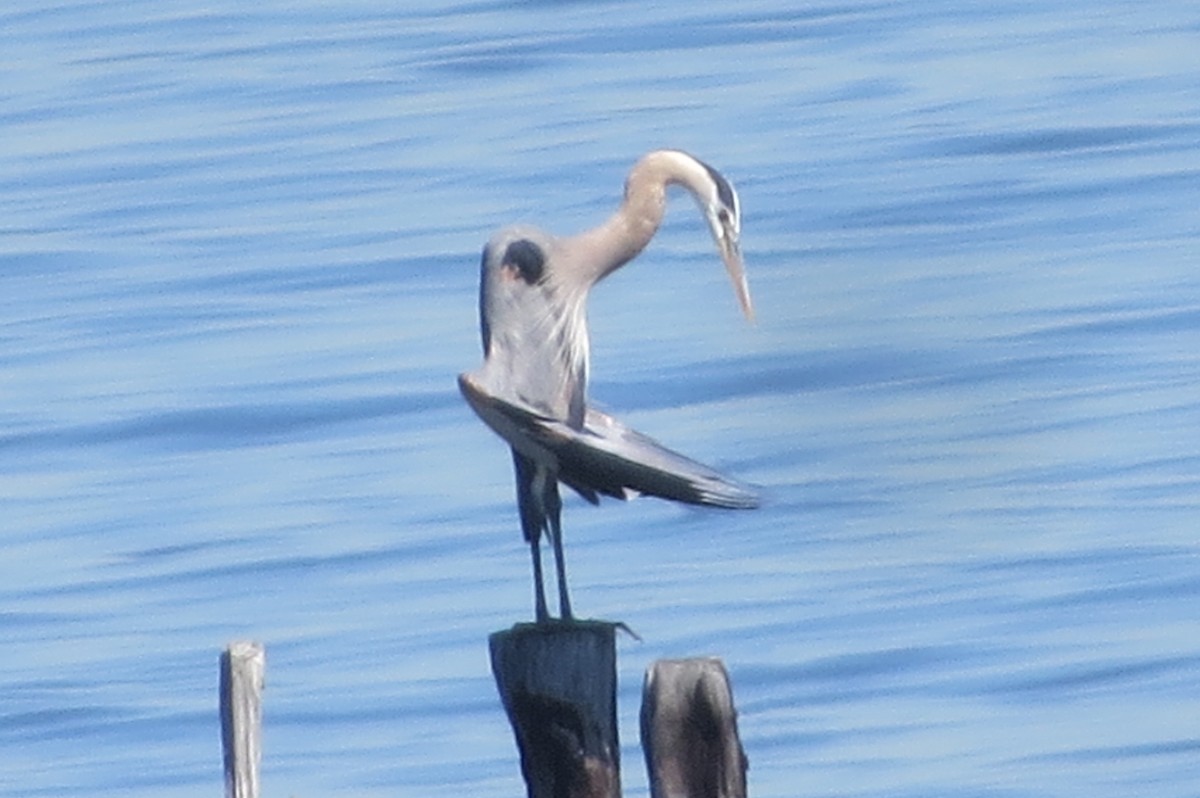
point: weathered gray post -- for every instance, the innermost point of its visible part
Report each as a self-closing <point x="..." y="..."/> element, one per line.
<point x="558" y="683"/>
<point x="689" y="731"/>
<point x="243" y="664"/>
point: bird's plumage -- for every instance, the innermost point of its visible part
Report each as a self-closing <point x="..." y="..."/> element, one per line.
<point x="605" y="457"/>
<point x="532" y="387"/>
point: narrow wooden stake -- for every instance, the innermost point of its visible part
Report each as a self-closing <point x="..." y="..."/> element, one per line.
<point x="558" y="683"/>
<point x="689" y="731"/>
<point x="242" y="667"/>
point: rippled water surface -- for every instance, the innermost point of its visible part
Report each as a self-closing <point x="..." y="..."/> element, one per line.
<point x="238" y="262"/>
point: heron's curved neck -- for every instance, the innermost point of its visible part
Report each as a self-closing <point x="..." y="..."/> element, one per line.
<point x="627" y="232"/>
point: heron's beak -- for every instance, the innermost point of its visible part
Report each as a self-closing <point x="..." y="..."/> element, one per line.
<point x="725" y="232"/>
<point x="731" y="253"/>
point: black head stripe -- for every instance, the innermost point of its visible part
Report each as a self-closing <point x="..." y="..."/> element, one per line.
<point x="724" y="190"/>
<point x="528" y="258"/>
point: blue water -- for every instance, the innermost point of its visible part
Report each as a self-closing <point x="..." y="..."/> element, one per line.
<point x="238" y="257"/>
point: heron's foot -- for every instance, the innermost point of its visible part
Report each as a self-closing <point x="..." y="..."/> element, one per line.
<point x="624" y="627"/>
<point x="549" y="622"/>
<point x="544" y="618"/>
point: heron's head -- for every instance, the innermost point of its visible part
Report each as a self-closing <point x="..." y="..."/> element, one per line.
<point x="722" y="211"/>
<point x="718" y="201"/>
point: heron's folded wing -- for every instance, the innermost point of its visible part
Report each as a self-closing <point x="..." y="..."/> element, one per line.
<point x="606" y="456"/>
<point x="609" y="457"/>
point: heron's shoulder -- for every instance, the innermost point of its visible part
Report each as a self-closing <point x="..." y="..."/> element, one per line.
<point x="506" y="236"/>
<point x="526" y="248"/>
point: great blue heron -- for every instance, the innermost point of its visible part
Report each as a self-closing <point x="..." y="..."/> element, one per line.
<point x="532" y="387"/>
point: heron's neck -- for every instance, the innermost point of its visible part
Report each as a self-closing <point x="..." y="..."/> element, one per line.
<point x="627" y="232"/>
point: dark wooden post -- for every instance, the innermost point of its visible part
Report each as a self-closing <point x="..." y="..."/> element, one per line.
<point x="689" y="731"/>
<point x="242" y="666"/>
<point x="558" y="683"/>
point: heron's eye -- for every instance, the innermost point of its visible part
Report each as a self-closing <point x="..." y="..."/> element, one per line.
<point x="528" y="259"/>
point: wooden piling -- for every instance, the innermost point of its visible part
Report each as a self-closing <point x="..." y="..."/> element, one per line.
<point x="243" y="664"/>
<point x="689" y="731"/>
<point x="558" y="684"/>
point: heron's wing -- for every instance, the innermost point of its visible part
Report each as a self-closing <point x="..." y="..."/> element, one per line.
<point x="607" y="457"/>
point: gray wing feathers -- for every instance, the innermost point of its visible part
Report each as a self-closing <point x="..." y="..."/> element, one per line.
<point x="610" y="458"/>
<point x="606" y="457"/>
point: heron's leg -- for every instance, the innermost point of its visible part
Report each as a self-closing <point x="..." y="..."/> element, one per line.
<point x="533" y="520"/>
<point x="539" y="592"/>
<point x="554" y="512"/>
<point x="564" y="601"/>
